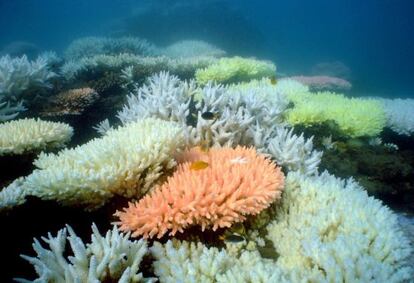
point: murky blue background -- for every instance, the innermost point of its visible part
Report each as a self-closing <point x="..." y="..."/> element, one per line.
<point x="370" y="42"/>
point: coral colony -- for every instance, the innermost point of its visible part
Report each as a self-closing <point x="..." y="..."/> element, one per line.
<point x="210" y="163"/>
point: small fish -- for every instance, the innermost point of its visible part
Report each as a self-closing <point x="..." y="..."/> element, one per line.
<point x="198" y="165"/>
<point x="273" y="80"/>
<point x="232" y="238"/>
<point x="238" y="228"/>
<point x="209" y="115"/>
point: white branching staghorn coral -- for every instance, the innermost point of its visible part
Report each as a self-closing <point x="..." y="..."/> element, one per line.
<point x="293" y="152"/>
<point x="399" y="114"/>
<point x="27" y="135"/>
<point x="106" y="259"/>
<point x="19" y="74"/>
<point x="192" y="48"/>
<point x="9" y="112"/>
<point x="127" y="161"/>
<point x="244" y="116"/>
<point x="164" y="97"/>
<point x="329" y="230"/>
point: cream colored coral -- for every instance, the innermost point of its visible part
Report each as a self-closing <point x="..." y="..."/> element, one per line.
<point x="126" y="161"/>
<point x="25" y="135"/>
<point x="329" y="230"/>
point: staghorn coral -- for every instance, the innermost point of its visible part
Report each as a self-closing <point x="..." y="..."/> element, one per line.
<point x="105" y="259"/>
<point x="237" y="182"/>
<point x="235" y="69"/>
<point x="71" y="102"/>
<point x="19" y="74"/>
<point x="191" y="48"/>
<point x="246" y="116"/>
<point x="26" y="135"/>
<point x="127" y="161"/>
<point x="8" y="112"/>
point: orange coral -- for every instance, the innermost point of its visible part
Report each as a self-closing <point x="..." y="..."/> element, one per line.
<point x="237" y="182"/>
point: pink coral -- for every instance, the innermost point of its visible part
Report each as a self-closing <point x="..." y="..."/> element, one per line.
<point x="237" y="182"/>
<point x="323" y="82"/>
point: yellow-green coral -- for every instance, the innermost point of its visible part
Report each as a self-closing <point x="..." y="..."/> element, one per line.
<point x="230" y="70"/>
<point x="355" y="117"/>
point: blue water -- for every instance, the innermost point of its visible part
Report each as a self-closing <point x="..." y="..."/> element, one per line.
<point x="374" y="39"/>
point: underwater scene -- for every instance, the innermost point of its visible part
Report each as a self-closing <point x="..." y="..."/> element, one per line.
<point x="207" y="141"/>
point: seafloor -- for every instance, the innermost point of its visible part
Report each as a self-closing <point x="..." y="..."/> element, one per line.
<point x="191" y="94"/>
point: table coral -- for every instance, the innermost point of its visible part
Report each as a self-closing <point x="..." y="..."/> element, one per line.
<point x="237" y="182"/>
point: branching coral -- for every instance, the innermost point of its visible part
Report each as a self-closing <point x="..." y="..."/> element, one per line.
<point x="191" y="48"/>
<point x="19" y="74"/>
<point x="355" y="117"/>
<point x="326" y="230"/>
<point x="107" y="258"/>
<point x="90" y="46"/>
<point x="329" y="230"/>
<point x="8" y="112"/>
<point x="236" y="69"/>
<point x="126" y="161"/>
<point x="400" y="116"/>
<point x="25" y="135"/>
<point x="71" y="102"/>
<point x="246" y="115"/>
<point x="237" y="182"/>
<point x="318" y="83"/>
<point x="144" y="66"/>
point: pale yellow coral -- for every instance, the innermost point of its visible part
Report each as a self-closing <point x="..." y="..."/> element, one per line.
<point x="126" y="161"/>
<point x="26" y="135"/>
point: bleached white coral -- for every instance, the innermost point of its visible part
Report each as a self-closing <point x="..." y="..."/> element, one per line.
<point x="25" y="135"/>
<point x="294" y="152"/>
<point x="326" y="230"/>
<point x="188" y="262"/>
<point x="243" y="117"/>
<point x="126" y="161"/>
<point x="399" y="114"/>
<point x="18" y="74"/>
<point x="164" y="96"/>
<point x="9" y="112"/>
<point x="90" y="46"/>
<point x="12" y="195"/>
<point x="105" y="258"/>
<point x="192" y="48"/>
<point x="329" y="230"/>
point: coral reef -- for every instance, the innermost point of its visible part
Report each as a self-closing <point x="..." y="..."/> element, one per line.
<point x="235" y="69"/>
<point x="192" y="48"/>
<point x="319" y="83"/>
<point x="127" y="161"/>
<point x="25" y="135"/>
<point x="400" y="116"/>
<point x="328" y="229"/>
<point x="9" y="112"/>
<point x="105" y="258"/>
<point x="70" y="102"/>
<point x="355" y="117"/>
<point x="90" y="46"/>
<point x="18" y="74"/>
<point x="325" y="230"/>
<point x="236" y="183"/>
